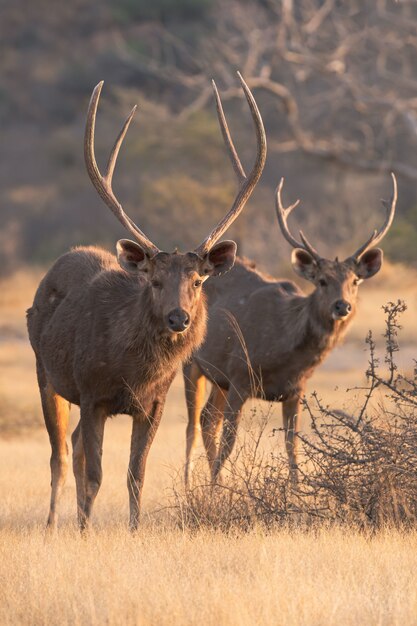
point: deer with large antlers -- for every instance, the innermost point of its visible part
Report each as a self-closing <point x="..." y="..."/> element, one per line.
<point x="109" y="334"/>
<point x="265" y="338"/>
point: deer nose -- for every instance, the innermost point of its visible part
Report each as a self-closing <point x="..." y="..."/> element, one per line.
<point x="341" y="308"/>
<point x="178" y="320"/>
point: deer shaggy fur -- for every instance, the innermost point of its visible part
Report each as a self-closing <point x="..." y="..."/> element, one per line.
<point x="80" y="326"/>
<point x="109" y="334"/>
<point x="265" y="338"/>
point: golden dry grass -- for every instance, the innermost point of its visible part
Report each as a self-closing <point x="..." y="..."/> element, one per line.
<point x="163" y="576"/>
<point x="166" y="578"/>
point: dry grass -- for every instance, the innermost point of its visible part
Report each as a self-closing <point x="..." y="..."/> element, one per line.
<point x="164" y="576"/>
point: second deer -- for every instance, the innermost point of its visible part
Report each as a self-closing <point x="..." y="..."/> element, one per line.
<point x="265" y="338"/>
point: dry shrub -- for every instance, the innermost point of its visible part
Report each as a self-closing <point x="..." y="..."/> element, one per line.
<point x="357" y="469"/>
<point x="254" y="488"/>
<point x="364" y="466"/>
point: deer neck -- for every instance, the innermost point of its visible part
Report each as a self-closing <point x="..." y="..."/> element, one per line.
<point x="316" y="334"/>
<point x="141" y="334"/>
<point x="325" y="331"/>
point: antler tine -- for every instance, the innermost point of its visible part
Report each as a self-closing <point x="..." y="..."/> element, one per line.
<point x="377" y="236"/>
<point x="246" y="183"/>
<point x="309" y="247"/>
<point x="282" y="215"/>
<point x="103" y="184"/>
<point x="233" y="155"/>
<point x="111" y="164"/>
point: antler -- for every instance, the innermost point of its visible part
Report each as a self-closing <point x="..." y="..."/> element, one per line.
<point x="246" y="183"/>
<point x="282" y="215"/>
<point x="377" y="236"/>
<point x="103" y="184"/>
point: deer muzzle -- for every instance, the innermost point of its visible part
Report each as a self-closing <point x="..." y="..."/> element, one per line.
<point x="178" y="320"/>
<point x="341" y="309"/>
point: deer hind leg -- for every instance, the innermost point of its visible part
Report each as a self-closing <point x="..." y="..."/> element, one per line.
<point x="78" y="466"/>
<point x="290" y="414"/>
<point x="232" y="412"/>
<point x="92" y="433"/>
<point x="211" y="423"/>
<point x="56" y="414"/>
<point x="195" y="387"/>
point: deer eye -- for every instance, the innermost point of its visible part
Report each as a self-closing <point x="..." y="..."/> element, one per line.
<point x="356" y="281"/>
<point x="322" y="282"/>
<point x="156" y="284"/>
<point x="197" y="283"/>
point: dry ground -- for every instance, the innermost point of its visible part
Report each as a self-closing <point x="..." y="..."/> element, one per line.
<point x="163" y="576"/>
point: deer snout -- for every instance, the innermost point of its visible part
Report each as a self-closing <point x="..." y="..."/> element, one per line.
<point x="178" y="320"/>
<point x="341" y="309"/>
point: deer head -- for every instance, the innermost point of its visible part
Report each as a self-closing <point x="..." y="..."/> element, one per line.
<point x="336" y="281"/>
<point x="175" y="279"/>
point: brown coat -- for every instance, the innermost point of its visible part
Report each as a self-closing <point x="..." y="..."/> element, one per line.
<point x="110" y="333"/>
<point x="265" y="338"/>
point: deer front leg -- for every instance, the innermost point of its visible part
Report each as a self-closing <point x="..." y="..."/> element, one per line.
<point x="145" y="425"/>
<point x="78" y="467"/>
<point x="92" y="433"/>
<point x="232" y="412"/>
<point x="291" y="416"/>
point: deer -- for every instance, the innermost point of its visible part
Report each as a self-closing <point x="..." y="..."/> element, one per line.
<point x="109" y="333"/>
<point x="265" y="337"/>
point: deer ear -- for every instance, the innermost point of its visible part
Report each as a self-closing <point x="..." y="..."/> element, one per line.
<point x="220" y="259"/>
<point x="369" y="263"/>
<point x="131" y="256"/>
<point x="303" y="264"/>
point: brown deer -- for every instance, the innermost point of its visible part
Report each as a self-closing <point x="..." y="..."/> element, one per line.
<point x="265" y="337"/>
<point x="109" y="334"/>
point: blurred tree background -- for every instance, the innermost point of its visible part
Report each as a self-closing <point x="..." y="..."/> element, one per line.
<point x="336" y="83"/>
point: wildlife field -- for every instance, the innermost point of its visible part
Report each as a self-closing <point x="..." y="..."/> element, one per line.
<point x="168" y="574"/>
<point x="336" y="86"/>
